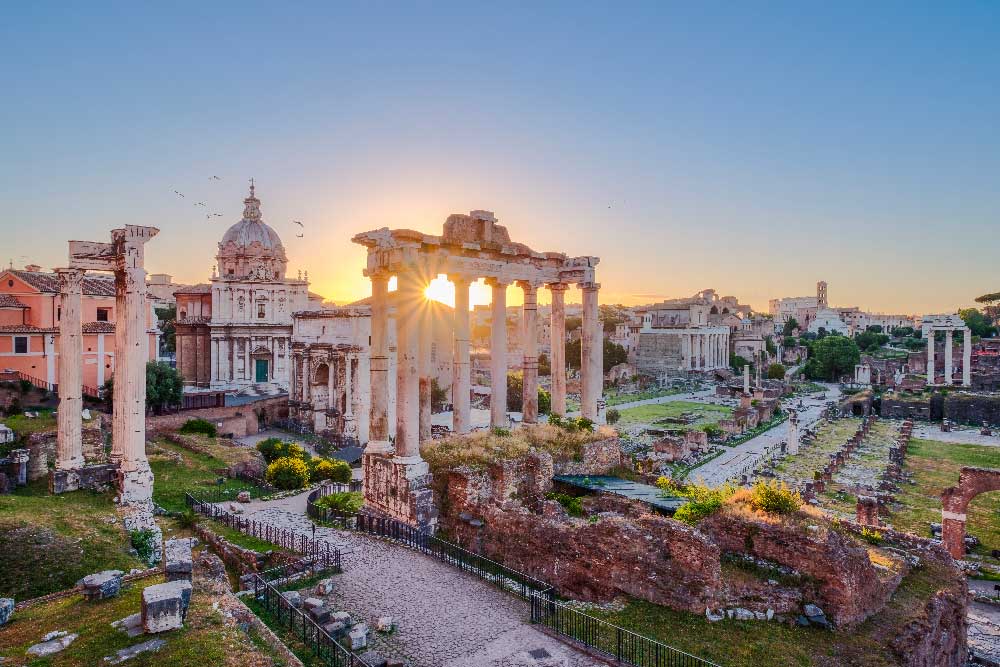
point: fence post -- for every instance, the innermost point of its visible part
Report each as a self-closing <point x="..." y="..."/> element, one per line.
<point x="618" y="632"/>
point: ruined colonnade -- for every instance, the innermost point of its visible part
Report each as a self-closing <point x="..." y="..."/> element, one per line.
<point x="949" y="324"/>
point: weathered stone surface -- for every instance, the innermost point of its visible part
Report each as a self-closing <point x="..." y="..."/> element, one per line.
<point x="52" y="643"/>
<point x="373" y="659"/>
<point x="6" y="609"/>
<point x="324" y="587"/>
<point x="358" y="637"/>
<point x="130" y="625"/>
<point x="313" y="603"/>
<point x="132" y="651"/>
<point x="320" y="614"/>
<point x="294" y="598"/>
<point x="106" y="584"/>
<point x="384" y="624"/>
<point x="178" y="562"/>
<point x="243" y="497"/>
<point x="164" y="606"/>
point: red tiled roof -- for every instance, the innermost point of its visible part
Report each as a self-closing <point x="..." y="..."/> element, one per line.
<point x="98" y="327"/>
<point x="10" y="301"/>
<point x="26" y="329"/>
<point x="201" y="288"/>
<point x="49" y="282"/>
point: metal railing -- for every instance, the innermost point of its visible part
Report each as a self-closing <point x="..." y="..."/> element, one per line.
<point x="321" y="554"/>
<point x="614" y="641"/>
<point x="323" y="645"/>
<point x="611" y="640"/>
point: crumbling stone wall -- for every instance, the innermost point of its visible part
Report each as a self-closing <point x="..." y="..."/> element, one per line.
<point x="239" y="420"/>
<point x="42" y="448"/>
<point x="971" y="409"/>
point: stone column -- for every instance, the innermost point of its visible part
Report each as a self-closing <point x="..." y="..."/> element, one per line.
<point x="948" y="369"/>
<point x="529" y="398"/>
<point x="685" y="352"/>
<point x="378" y="420"/>
<point x="793" y="432"/>
<point x="746" y="379"/>
<point x="424" y="362"/>
<point x="930" y="357"/>
<point x="69" y="447"/>
<point x="498" y="355"/>
<point x="967" y="358"/>
<point x="558" y="336"/>
<point x="135" y="475"/>
<point x="118" y="402"/>
<point x="460" y="368"/>
<point x="592" y="353"/>
<point x="410" y="297"/>
<point x="331" y="377"/>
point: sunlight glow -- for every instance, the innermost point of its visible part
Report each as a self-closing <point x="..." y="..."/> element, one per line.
<point x="443" y="290"/>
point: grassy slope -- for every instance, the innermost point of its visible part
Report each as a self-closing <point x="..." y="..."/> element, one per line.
<point x="935" y="466"/>
<point x="47" y="542"/>
<point x="205" y="639"/>
<point x="648" y="414"/>
<point x="195" y="471"/>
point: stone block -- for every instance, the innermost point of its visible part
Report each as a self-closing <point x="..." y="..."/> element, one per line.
<point x="243" y="497"/>
<point x="294" y="598"/>
<point x="52" y="643"/>
<point x="311" y="603"/>
<point x="132" y="651"/>
<point x="324" y="587"/>
<point x="335" y="629"/>
<point x="6" y="609"/>
<point x="164" y="606"/>
<point x="373" y="659"/>
<point x="106" y="584"/>
<point x="178" y="561"/>
<point x="130" y="625"/>
<point x="384" y="624"/>
<point x="358" y="637"/>
<point x="320" y="614"/>
<point x="342" y="617"/>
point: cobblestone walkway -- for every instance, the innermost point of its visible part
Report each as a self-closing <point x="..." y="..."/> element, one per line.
<point x="444" y="617"/>
<point x="984" y="632"/>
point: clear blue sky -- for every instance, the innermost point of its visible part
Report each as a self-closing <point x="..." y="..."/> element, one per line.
<point x="753" y="148"/>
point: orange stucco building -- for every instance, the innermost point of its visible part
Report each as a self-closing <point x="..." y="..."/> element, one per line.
<point x="30" y="310"/>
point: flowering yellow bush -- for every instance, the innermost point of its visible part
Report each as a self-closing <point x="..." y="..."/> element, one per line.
<point x="288" y="473"/>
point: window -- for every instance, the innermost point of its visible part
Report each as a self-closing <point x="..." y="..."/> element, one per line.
<point x="20" y="345"/>
<point x="260" y="311"/>
<point x="59" y="314"/>
<point x="102" y="314"/>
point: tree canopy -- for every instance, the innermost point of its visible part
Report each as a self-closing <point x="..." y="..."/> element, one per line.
<point x="614" y="354"/>
<point x="980" y="324"/>
<point x="790" y="326"/>
<point x="832" y="357"/>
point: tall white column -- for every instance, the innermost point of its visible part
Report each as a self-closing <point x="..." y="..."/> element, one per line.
<point x="592" y="353"/>
<point x="331" y="388"/>
<point x="349" y="388"/>
<point x="134" y="471"/>
<point x="529" y="398"/>
<point x="967" y="358"/>
<point x="685" y="352"/>
<point x="378" y="419"/>
<point x="498" y="355"/>
<point x="69" y="443"/>
<point x="948" y="361"/>
<point x="930" y="357"/>
<point x="410" y="297"/>
<point x="558" y="336"/>
<point x="460" y="369"/>
<point x="101" y="360"/>
<point x="424" y="361"/>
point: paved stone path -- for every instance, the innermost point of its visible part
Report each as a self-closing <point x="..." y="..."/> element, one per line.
<point x="984" y="631"/>
<point x="966" y="436"/>
<point x="444" y="617"/>
<point x="735" y="459"/>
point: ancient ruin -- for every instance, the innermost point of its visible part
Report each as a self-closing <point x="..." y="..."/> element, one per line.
<point x="955" y="500"/>
<point x="949" y="324"/>
<point x="471" y="247"/>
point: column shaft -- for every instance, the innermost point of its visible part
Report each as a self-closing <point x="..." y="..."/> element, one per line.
<point x="410" y="297"/>
<point x="948" y="369"/>
<point x="424" y="361"/>
<point x="498" y="356"/>
<point x="592" y="353"/>
<point x="69" y="444"/>
<point x="529" y="342"/>
<point x="967" y="358"/>
<point x="378" y="420"/>
<point x="558" y="337"/>
<point x="930" y="357"/>
<point x="460" y="369"/>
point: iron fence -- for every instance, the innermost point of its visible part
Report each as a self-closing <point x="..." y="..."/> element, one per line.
<point x="611" y="640"/>
<point x="320" y="554"/>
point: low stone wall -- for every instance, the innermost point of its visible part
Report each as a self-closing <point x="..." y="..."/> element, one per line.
<point x="598" y="458"/>
<point x="42" y="448"/>
<point x="239" y="420"/>
<point x="971" y="409"/>
<point x="244" y="561"/>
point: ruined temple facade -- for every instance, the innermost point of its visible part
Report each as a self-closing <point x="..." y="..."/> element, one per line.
<point x="682" y="336"/>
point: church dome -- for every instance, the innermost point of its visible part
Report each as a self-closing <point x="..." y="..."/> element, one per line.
<point x="250" y="248"/>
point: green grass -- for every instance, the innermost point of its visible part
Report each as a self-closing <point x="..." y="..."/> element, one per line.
<point x="705" y="413"/>
<point x="614" y="398"/>
<point x="733" y="643"/>
<point x="205" y="639"/>
<point x="935" y="466"/>
<point x="47" y="543"/>
<point x="22" y="426"/>
<point x="194" y="472"/>
<point x="238" y="538"/>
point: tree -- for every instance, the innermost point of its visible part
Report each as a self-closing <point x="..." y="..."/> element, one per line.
<point x="902" y="332"/>
<point x="776" y="372"/>
<point x="833" y="357"/>
<point x="544" y="365"/>
<point x="164" y="386"/>
<point x="791" y="324"/>
<point x="877" y="328"/>
<point x="573" y="323"/>
<point x="439" y="396"/>
<point x="737" y="362"/>
<point x="870" y="340"/>
<point x="789" y="341"/>
<point x="612" y="416"/>
<point x="611" y="317"/>
<point x="168" y="318"/>
<point x="515" y="395"/>
<point x="978" y="323"/>
<point x="991" y="305"/>
<point x="614" y="354"/>
<point x="573" y="348"/>
<point x="769" y="345"/>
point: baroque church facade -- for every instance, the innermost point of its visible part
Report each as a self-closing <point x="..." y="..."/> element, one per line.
<point x="235" y="333"/>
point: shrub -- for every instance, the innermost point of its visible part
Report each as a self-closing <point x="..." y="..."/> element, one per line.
<point x="572" y="504"/>
<point x="871" y="536"/>
<point x="273" y="449"/>
<point x="694" y="511"/>
<point x="201" y="426"/>
<point x="331" y="469"/>
<point x="501" y="432"/>
<point x="288" y="473"/>
<point x="347" y="502"/>
<point x="613" y="416"/>
<point x="188" y="518"/>
<point x="776" y="372"/>
<point x="555" y="419"/>
<point x="267" y="448"/>
<point x="774" y="497"/>
<point x="713" y="430"/>
<point x="702" y="501"/>
<point x="143" y="541"/>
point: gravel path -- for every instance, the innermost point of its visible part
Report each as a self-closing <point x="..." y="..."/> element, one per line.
<point x="444" y="617"/>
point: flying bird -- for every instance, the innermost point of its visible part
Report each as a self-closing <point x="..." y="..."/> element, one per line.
<point x="299" y="236"/>
<point x="217" y="215"/>
<point x="214" y="178"/>
<point x="201" y="203"/>
<point x="180" y="194"/>
<point x="298" y="223"/>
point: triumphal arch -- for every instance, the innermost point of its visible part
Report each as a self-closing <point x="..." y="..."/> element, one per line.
<point x="471" y="247"/>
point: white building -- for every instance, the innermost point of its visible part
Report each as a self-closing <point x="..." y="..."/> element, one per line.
<point x="829" y="320"/>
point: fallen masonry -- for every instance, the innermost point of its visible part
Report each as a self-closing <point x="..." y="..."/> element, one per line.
<point x="164" y="606"/>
